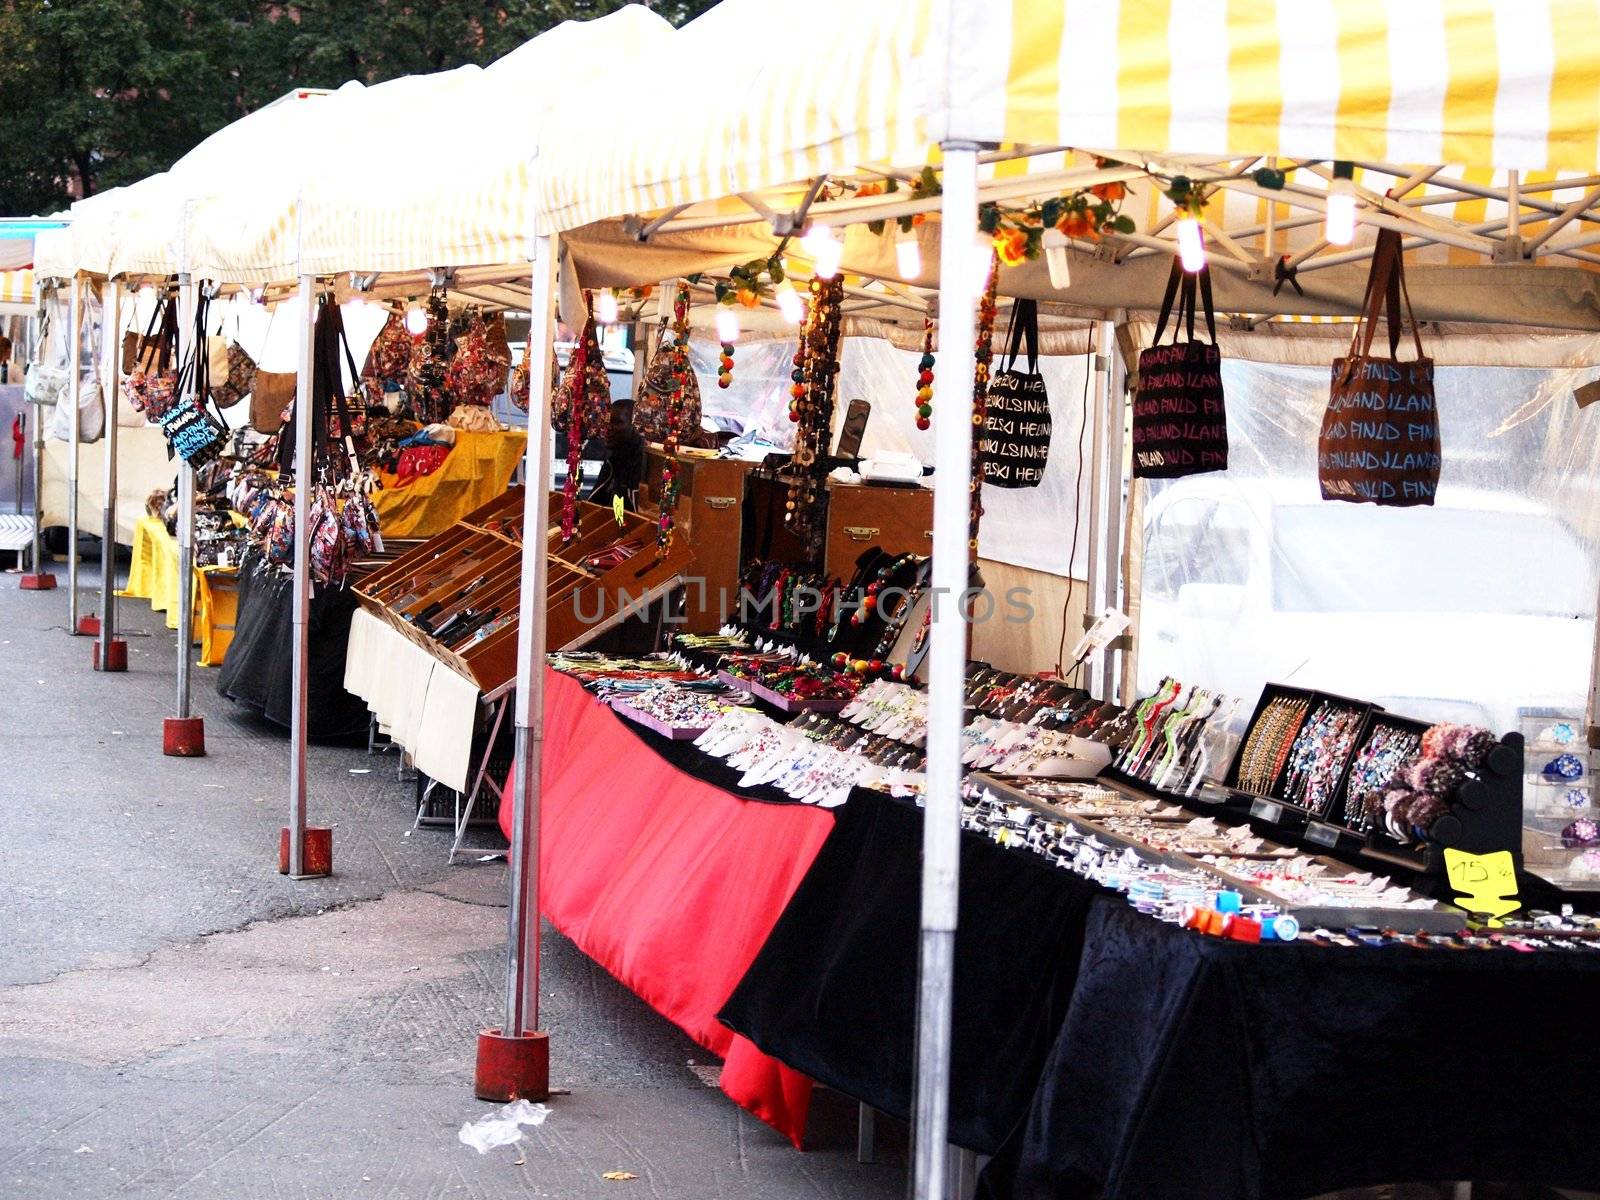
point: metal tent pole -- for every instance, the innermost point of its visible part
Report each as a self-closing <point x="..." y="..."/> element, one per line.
<point x="1116" y="419"/>
<point x="183" y="735"/>
<point x="74" y="386"/>
<point x="959" y="286"/>
<point x="38" y="579"/>
<point x="110" y="651"/>
<point x="302" y="852"/>
<point x="514" y="1060"/>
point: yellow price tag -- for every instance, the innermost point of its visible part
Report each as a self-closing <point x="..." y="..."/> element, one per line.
<point x="1484" y="883"/>
<point x="616" y="508"/>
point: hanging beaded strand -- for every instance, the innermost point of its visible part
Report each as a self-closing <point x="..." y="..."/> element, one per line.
<point x="983" y="355"/>
<point x="578" y="375"/>
<point x="725" y="365"/>
<point x="816" y="370"/>
<point x="925" y="377"/>
<point x="677" y="352"/>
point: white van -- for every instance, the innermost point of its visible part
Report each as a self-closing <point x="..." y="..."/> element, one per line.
<point x="1480" y="608"/>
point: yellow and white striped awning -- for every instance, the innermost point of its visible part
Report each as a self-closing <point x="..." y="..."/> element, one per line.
<point x="16" y="288"/>
<point x="1493" y="84"/>
<point x="1502" y="84"/>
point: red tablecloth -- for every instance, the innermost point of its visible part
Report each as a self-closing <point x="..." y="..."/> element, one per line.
<point x="669" y="883"/>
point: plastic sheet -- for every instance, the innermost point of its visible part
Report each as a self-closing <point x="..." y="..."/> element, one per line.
<point x="1030" y="527"/>
<point x="1480" y="608"/>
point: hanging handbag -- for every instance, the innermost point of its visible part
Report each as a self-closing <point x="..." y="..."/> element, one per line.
<point x="91" y="413"/>
<point x="1180" y="423"/>
<point x="1380" y="434"/>
<point x="48" y="374"/>
<point x="478" y="368"/>
<point x="1015" y="443"/>
<point x="387" y="362"/>
<point x="193" y="433"/>
<point x="152" y="385"/>
<point x="238" y="378"/>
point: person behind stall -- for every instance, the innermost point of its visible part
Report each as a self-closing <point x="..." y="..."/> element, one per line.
<point x="624" y="464"/>
<point x="5" y="359"/>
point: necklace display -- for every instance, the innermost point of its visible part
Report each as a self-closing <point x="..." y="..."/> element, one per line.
<point x="1374" y="768"/>
<point x="816" y="370"/>
<point x="983" y="357"/>
<point x="1318" y="757"/>
<point x="1269" y="742"/>
<point x="677" y="352"/>
<point x="578" y="400"/>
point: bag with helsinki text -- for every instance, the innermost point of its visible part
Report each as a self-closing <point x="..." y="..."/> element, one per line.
<point x="1180" y="423"/>
<point x="1380" y="434"/>
<point x="1015" y="443"/>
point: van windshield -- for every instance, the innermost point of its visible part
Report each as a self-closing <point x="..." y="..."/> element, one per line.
<point x="1354" y="558"/>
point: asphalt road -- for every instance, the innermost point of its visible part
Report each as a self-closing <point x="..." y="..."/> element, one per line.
<point x="179" y="1020"/>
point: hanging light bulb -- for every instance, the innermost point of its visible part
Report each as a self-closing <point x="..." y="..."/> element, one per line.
<point x="908" y="254"/>
<point x="727" y="324"/>
<point x="606" y="310"/>
<point x="416" y="320"/>
<point x="1339" y="227"/>
<point x="789" y="303"/>
<point x="1055" y="257"/>
<point x="1191" y="245"/>
<point x="825" y="249"/>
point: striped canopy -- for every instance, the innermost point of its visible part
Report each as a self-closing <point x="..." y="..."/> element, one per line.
<point x="737" y="112"/>
<point x="16" y="287"/>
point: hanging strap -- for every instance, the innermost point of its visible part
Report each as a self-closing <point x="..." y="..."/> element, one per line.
<point x="1181" y="286"/>
<point x="1386" y="290"/>
<point x="1023" y="331"/>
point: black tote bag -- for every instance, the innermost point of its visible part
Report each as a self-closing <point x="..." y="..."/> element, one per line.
<point x="1180" y="423"/>
<point x="1015" y="444"/>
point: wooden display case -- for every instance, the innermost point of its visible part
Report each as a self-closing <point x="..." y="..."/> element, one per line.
<point x="897" y="519"/>
<point x="709" y="518"/>
<point x="477" y="564"/>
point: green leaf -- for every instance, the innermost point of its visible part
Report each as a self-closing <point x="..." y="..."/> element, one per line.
<point x="1123" y="224"/>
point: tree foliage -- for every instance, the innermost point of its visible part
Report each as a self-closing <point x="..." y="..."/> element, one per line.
<point x="99" y="93"/>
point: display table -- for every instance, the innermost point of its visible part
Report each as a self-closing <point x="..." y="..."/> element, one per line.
<point x="420" y="703"/>
<point x="477" y="469"/>
<point x="153" y="576"/>
<point x="257" y="670"/>
<point x="1107" y="1055"/>
<point x="668" y="882"/>
<point x="833" y="992"/>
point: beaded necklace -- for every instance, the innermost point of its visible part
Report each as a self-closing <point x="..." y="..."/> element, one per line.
<point x="983" y="356"/>
<point x="677" y="352"/>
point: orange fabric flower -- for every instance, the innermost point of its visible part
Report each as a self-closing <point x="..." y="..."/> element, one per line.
<point x="1109" y="192"/>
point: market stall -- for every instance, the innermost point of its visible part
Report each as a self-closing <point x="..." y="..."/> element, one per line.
<point x="813" y="204"/>
<point x="153" y="576"/>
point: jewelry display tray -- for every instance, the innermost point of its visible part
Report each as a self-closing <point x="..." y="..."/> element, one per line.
<point x="671" y="732"/>
<point x="778" y="700"/>
<point x="1438" y="919"/>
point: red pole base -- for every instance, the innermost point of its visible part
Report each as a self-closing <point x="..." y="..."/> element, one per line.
<point x="116" y="656"/>
<point x="512" y="1068"/>
<point x="317" y="858"/>
<point x="89" y="626"/>
<point x="41" y="582"/>
<point x="183" y="737"/>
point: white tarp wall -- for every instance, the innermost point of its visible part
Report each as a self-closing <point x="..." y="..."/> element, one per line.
<point x="1480" y="608"/>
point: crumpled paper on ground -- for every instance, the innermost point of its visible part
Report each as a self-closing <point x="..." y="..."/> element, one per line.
<point x="503" y="1126"/>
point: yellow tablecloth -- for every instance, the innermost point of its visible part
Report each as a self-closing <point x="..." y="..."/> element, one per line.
<point x="153" y="576"/>
<point x="477" y="470"/>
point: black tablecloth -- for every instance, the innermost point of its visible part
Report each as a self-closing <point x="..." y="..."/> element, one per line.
<point x="1203" y="1070"/>
<point x="257" y="669"/>
<point x="833" y="992"/>
<point x="1118" y="1057"/>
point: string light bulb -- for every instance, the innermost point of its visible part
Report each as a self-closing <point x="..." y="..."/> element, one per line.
<point x="727" y="324"/>
<point x="908" y="254"/>
<point x="1055" y="257"/>
<point x="789" y="303"/>
<point x="1191" y="244"/>
<point x="606" y="309"/>
<point x="416" y="320"/>
<point x="825" y="249"/>
<point x="1339" y="225"/>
